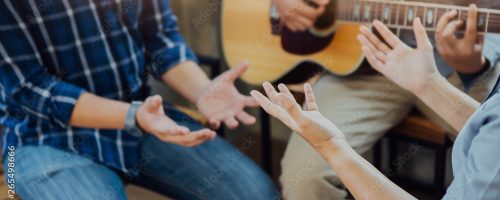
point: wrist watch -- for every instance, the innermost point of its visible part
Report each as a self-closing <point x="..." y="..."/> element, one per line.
<point x="131" y="125"/>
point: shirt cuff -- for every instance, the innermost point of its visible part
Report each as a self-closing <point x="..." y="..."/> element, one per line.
<point x="469" y="79"/>
<point x="168" y="58"/>
<point x="63" y="101"/>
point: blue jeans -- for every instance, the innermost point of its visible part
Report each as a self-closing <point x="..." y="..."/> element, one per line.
<point x="213" y="170"/>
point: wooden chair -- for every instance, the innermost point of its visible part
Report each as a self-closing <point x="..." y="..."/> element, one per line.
<point x="417" y="129"/>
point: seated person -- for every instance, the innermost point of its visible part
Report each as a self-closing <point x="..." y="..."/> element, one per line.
<point x="475" y="155"/>
<point x="371" y="103"/>
<point x="73" y="76"/>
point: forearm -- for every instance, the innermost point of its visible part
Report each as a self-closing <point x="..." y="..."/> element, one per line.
<point x="188" y="79"/>
<point x="92" y="111"/>
<point x="450" y="103"/>
<point x="362" y="179"/>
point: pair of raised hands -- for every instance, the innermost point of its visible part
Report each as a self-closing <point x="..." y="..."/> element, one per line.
<point x="220" y="102"/>
<point x="410" y="68"/>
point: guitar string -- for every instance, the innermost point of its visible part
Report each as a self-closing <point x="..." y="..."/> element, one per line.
<point x="493" y="20"/>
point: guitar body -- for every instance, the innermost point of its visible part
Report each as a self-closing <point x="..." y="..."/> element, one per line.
<point x="247" y="34"/>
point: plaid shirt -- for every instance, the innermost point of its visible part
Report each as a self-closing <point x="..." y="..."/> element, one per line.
<point x="51" y="51"/>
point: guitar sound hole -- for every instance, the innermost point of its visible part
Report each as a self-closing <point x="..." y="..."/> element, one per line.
<point x="303" y="43"/>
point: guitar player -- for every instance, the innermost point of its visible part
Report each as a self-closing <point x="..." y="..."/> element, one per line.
<point x="366" y="104"/>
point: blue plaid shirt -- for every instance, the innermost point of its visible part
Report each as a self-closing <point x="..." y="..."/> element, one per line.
<point x="51" y="51"/>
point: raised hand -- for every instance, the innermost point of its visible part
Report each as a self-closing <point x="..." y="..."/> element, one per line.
<point x="464" y="54"/>
<point x="409" y="68"/>
<point x="297" y="15"/>
<point x="152" y="119"/>
<point x="221" y="101"/>
<point x="310" y="123"/>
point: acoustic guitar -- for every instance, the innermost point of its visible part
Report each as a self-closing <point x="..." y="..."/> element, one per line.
<point x="251" y="30"/>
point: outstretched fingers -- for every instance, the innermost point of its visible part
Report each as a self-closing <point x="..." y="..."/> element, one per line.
<point x="366" y="43"/>
<point x="290" y="105"/>
<point x="374" y="41"/>
<point x="310" y="98"/>
<point x="237" y="71"/>
<point x="270" y="91"/>
<point x="265" y="103"/>
<point x="283" y="89"/>
<point x="386" y="34"/>
<point x="372" y="59"/>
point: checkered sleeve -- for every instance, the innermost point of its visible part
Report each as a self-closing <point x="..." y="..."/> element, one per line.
<point x="165" y="46"/>
<point x="24" y="80"/>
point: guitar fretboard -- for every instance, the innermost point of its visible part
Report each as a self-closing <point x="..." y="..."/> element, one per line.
<point x="400" y="14"/>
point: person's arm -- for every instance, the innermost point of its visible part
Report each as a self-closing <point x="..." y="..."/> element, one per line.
<point x="218" y="100"/>
<point x="188" y="79"/>
<point x="92" y="111"/>
<point x="172" y="60"/>
<point x="416" y="71"/>
<point x="362" y="179"/>
<point x="450" y="103"/>
<point x="25" y="82"/>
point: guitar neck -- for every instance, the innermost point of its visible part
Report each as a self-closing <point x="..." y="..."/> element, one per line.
<point x="400" y="14"/>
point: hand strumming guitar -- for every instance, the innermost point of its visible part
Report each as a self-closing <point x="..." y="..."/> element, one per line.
<point x="297" y="15"/>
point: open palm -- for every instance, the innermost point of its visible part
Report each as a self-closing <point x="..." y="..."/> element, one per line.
<point x="310" y="124"/>
<point x="221" y="101"/>
<point x="409" y="68"/>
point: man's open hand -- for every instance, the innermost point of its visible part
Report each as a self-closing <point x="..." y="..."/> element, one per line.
<point x="152" y="119"/>
<point x="221" y="101"/>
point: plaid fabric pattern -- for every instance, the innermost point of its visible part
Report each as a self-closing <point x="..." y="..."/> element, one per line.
<point x="51" y="51"/>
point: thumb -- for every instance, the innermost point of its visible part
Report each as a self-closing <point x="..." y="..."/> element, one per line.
<point x="153" y="103"/>
<point x="236" y="72"/>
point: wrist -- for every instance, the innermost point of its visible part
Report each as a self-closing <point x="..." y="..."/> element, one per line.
<point x="132" y="125"/>
<point x="332" y="148"/>
<point x="429" y="91"/>
<point x="199" y="95"/>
